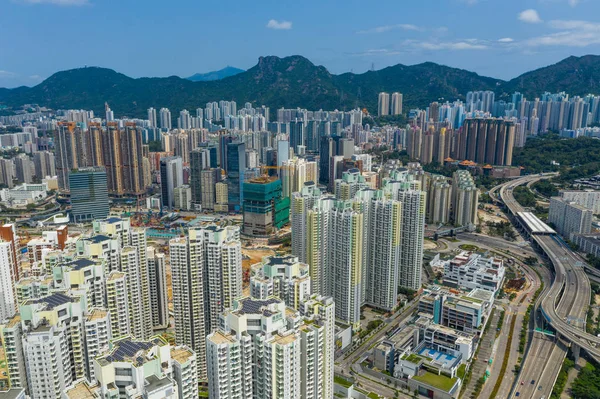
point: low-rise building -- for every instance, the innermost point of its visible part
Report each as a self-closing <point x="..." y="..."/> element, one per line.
<point x="469" y="271"/>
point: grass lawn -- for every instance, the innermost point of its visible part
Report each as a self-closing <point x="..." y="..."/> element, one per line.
<point x="461" y="371"/>
<point x="439" y="381"/>
<point x="341" y="381"/>
<point x="468" y="247"/>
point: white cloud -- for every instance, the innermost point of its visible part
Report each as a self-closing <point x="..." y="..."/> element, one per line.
<point x="506" y="40"/>
<point x="566" y="38"/>
<point x="387" y="28"/>
<point x="572" y="33"/>
<point x="7" y="74"/>
<point x="35" y="77"/>
<point x="530" y="16"/>
<point x="572" y="3"/>
<point x="575" y="25"/>
<point x="469" y="44"/>
<point x="57" y="2"/>
<point x="279" y="25"/>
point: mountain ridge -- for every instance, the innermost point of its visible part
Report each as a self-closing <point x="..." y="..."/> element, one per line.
<point x="294" y="81"/>
<point x="215" y="75"/>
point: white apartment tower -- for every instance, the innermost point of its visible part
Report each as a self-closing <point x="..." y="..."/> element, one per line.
<point x="152" y="117"/>
<point x="345" y="274"/>
<point x="188" y="273"/>
<point x="165" y="119"/>
<point x="7" y="281"/>
<point x="396" y="103"/>
<point x="265" y="350"/>
<point x="282" y="277"/>
<point x="383" y="105"/>
<point x="383" y="233"/>
<point x="118" y="304"/>
<point x="223" y="268"/>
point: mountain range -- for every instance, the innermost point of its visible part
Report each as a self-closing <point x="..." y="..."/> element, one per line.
<point x="215" y="75"/>
<point x="295" y="82"/>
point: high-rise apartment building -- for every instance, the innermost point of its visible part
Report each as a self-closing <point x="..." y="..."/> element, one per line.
<point x="404" y="188"/>
<point x="487" y="141"/>
<point x="7" y="281"/>
<point x="44" y="163"/>
<point x="465" y="199"/>
<point x="223" y="270"/>
<point x="157" y="281"/>
<point x="438" y="200"/>
<point x="569" y="217"/>
<point x="66" y="150"/>
<point x="246" y="355"/>
<point x="165" y="119"/>
<point x="171" y="176"/>
<point x="283" y="277"/>
<point x="383" y="104"/>
<point x="345" y="266"/>
<point x="188" y="269"/>
<point x="352" y="181"/>
<point x="206" y="273"/>
<point x="302" y="202"/>
<point x="118" y="304"/>
<point x="152" y="118"/>
<point x="396" y="103"/>
<point x="295" y="172"/>
<point x="383" y="232"/>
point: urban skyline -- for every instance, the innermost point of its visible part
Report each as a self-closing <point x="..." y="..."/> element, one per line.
<point x="534" y="33"/>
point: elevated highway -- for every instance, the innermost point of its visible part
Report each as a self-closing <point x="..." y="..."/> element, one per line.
<point x="562" y="306"/>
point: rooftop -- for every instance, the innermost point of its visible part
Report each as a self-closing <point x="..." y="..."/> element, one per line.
<point x="81" y="390"/>
<point x="534" y="224"/>
<point x="80" y="263"/>
<point x="284" y="339"/>
<point x="437" y="381"/>
<point x="97" y="314"/>
<point x="129" y="350"/>
<point x="181" y="354"/>
<point x="154" y="383"/>
<point x="254" y="306"/>
<point x="52" y="301"/>
<point x="11" y="393"/>
<point x="218" y="337"/>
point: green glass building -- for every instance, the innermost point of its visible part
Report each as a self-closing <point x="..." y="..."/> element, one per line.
<point x="265" y="208"/>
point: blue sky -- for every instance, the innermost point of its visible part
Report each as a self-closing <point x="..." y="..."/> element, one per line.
<point x="498" y="38"/>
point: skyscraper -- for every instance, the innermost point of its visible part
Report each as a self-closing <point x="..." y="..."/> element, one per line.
<point x="383" y="105"/>
<point x="465" y="199"/>
<point x="236" y="168"/>
<point x="89" y="194"/>
<point x="157" y="281"/>
<point x="7" y="281"/>
<point x="413" y="234"/>
<point x="383" y="232"/>
<point x="66" y="153"/>
<point x="223" y="270"/>
<point x="165" y="119"/>
<point x="171" y="176"/>
<point x="396" y="103"/>
<point x="152" y="117"/>
<point x="345" y="274"/>
<point x="188" y="274"/>
<point x="45" y="164"/>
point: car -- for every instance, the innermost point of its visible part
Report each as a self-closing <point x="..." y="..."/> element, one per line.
<point x="540" y="388"/>
<point x="522" y="382"/>
<point x="517" y="394"/>
<point x="532" y="382"/>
